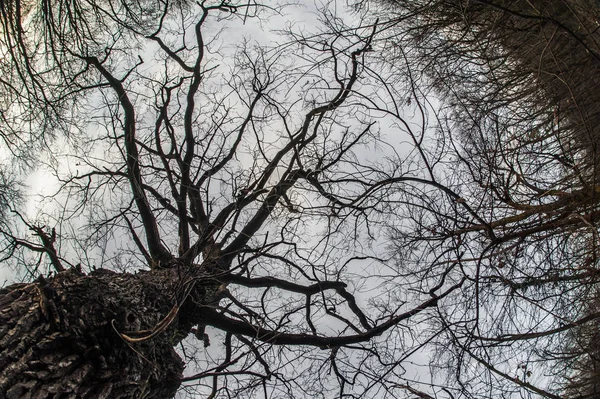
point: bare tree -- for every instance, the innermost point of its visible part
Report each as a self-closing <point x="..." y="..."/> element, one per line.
<point x="304" y="218"/>
<point x="518" y="84"/>
<point x="252" y="190"/>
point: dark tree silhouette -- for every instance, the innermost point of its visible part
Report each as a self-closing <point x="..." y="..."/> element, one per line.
<point x="300" y="219"/>
<point x="241" y="184"/>
<point x="518" y="80"/>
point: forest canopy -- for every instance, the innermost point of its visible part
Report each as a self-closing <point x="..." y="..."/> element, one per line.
<point x="383" y="199"/>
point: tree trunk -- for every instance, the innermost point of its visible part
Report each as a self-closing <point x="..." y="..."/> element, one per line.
<point x="102" y="335"/>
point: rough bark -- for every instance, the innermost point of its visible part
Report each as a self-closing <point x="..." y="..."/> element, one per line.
<point x="102" y="335"/>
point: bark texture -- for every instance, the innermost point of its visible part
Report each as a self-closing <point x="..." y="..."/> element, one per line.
<point x="102" y="335"/>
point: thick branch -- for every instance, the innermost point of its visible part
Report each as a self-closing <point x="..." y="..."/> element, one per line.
<point x="157" y="250"/>
<point x="222" y="322"/>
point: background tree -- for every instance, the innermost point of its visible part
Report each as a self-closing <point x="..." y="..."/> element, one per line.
<point x="518" y="84"/>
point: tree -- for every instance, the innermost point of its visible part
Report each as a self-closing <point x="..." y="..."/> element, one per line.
<point x="251" y="211"/>
<point x="518" y="82"/>
<point x="299" y="219"/>
<point x="581" y="353"/>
